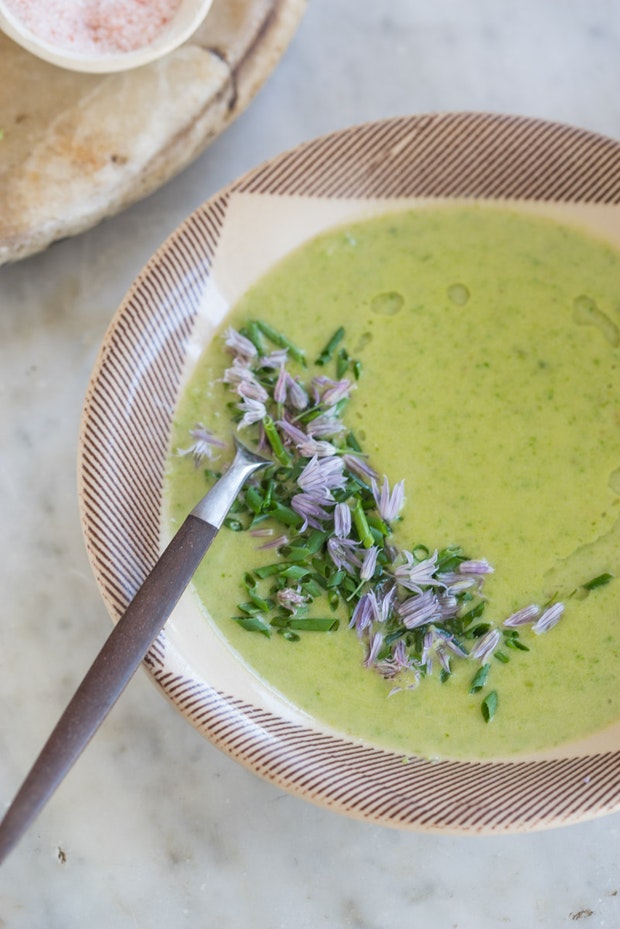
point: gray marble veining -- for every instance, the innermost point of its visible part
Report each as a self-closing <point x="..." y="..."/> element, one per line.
<point x="154" y="827"/>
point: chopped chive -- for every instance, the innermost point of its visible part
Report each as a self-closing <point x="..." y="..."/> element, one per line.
<point x="475" y="613"/>
<point x="479" y="630"/>
<point x="294" y="572"/>
<point x="250" y="608"/>
<point x="599" y="581"/>
<point x="314" y="623"/>
<point x="333" y="600"/>
<point x="327" y="352"/>
<point x="480" y="679"/>
<point x="310" y="588"/>
<point x="352" y="442"/>
<point x="252" y="332"/>
<point x="235" y="525"/>
<point x="285" y="514"/>
<point x="361" y="524"/>
<point x="296" y="553"/>
<point x="268" y="570"/>
<point x="342" y="363"/>
<point x="253" y="624"/>
<point x="420" y="552"/>
<point x="315" y="540"/>
<point x="488" y="706"/>
<point x="307" y="575"/>
<point x="517" y="644"/>
<point x="279" y="339"/>
<point x="264" y="605"/>
<point x="273" y="437"/>
<point x="254" y="500"/>
<point x="336" y="579"/>
<point x="450" y="558"/>
<point x="319" y="580"/>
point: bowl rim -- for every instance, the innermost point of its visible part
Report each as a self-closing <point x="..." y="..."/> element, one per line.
<point x="354" y="778"/>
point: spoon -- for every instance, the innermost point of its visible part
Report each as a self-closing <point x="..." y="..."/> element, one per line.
<point x="125" y="647"/>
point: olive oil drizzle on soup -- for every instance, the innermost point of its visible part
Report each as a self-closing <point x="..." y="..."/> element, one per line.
<point x="490" y="344"/>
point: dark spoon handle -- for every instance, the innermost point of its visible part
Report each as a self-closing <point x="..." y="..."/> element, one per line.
<point x="109" y="674"/>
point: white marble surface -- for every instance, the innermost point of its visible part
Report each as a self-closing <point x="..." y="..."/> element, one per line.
<point x="154" y="827"/>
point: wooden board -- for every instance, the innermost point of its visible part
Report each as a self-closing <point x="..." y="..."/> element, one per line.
<point x="76" y="148"/>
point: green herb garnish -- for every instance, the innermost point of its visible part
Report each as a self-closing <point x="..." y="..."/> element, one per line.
<point x="330" y="522"/>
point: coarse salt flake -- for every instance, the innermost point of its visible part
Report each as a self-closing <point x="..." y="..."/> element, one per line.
<point x="95" y="27"/>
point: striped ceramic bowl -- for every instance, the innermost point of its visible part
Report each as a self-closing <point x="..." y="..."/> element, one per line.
<point x="148" y="353"/>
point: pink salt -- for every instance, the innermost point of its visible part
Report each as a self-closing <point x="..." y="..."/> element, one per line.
<point x="95" y="27"/>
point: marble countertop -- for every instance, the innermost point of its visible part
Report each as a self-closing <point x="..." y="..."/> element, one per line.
<point x="154" y="826"/>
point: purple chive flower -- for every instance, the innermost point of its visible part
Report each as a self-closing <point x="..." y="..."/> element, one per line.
<point x="287" y="388"/>
<point x="290" y="599"/>
<point x="291" y="431"/>
<point x="305" y="444"/>
<point x="389" y="504"/>
<point x="342" y="520"/>
<point x="486" y="645"/>
<point x="456" y="583"/>
<point x="396" y="663"/>
<point x="522" y="617"/>
<point x="369" y="563"/>
<point x="428" y="643"/>
<point x="241" y="378"/>
<point x="374" y="647"/>
<point x="311" y="447"/>
<point x="275" y="543"/>
<point x="364" y="613"/>
<point x="449" y="643"/>
<point x="448" y="606"/>
<point x="549" y="618"/>
<point x="371" y="608"/>
<point x="476" y="567"/>
<point x="444" y="658"/>
<point x="298" y="398"/>
<point x="329" y="392"/>
<point x="358" y="466"/>
<point x="343" y="553"/>
<point x="252" y="390"/>
<point x="420" y="609"/>
<point x="204" y="445"/>
<point x="238" y="372"/>
<point x="275" y="359"/>
<point x="435" y="645"/>
<point x="239" y="345"/>
<point x="321" y="476"/>
<point x="414" y="575"/>
<point x="279" y="390"/>
<point x="253" y="411"/>
<point x="310" y="510"/>
<point x="326" y="426"/>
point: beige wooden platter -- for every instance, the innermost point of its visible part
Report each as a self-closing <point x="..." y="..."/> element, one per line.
<point x="76" y="148"/>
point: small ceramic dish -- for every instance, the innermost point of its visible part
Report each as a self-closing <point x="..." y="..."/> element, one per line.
<point x="151" y="349"/>
<point x="184" y="22"/>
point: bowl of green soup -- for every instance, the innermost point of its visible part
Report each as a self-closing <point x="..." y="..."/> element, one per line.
<point x="412" y="615"/>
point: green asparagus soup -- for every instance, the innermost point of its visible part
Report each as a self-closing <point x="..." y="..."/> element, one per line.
<point x="481" y="349"/>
